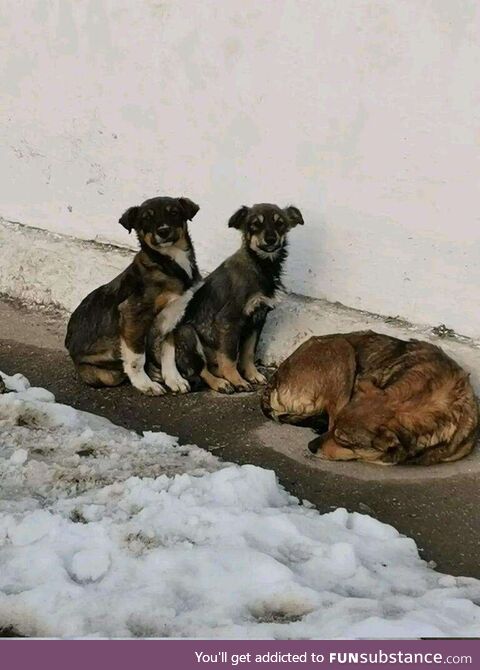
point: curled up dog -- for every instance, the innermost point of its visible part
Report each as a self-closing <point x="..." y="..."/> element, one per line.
<point x="382" y="400"/>
<point x="217" y="337"/>
<point x="107" y="332"/>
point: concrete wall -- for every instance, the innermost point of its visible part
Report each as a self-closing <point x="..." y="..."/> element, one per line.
<point x="364" y="113"/>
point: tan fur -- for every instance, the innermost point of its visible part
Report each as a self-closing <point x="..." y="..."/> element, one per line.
<point x="213" y="382"/>
<point x="316" y="378"/>
<point x="387" y="401"/>
<point x="96" y="376"/>
<point x="227" y="369"/>
<point x="111" y="324"/>
<point x="136" y="317"/>
<point x="246" y="362"/>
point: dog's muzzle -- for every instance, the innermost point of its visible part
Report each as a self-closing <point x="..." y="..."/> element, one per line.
<point x="269" y="246"/>
<point x="164" y="236"/>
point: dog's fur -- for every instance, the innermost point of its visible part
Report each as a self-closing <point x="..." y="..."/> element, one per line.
<point x="385" y="400"/>
<point x="107" y="332"/>
<point x="218" y="335"/>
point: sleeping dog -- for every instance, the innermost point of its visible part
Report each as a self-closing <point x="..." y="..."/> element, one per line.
<point x="381" y="399"/>
<point x="218" y="334"/>
<point x="106" y="333"/>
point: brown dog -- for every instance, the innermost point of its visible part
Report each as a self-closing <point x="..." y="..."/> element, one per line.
<point x="106" y="334"/>
<point x="217" y="336"/>
<point x="386" y="400"/>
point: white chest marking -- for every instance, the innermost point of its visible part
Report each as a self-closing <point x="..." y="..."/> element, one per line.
<point x="173" y="312"/>
<point x="180" y="256"/>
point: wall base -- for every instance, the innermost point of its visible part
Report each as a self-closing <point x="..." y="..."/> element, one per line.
<point x="50" y="269"/>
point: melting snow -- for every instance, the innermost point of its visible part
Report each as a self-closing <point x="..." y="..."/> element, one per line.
<point x="107" y="533"/>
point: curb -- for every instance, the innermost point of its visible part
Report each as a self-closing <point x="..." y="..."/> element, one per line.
<point x="56" y="270"/>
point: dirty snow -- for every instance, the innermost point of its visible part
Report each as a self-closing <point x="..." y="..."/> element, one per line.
<point x="105" y="533"/>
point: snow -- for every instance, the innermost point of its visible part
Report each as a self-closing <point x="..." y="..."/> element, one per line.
<point x="89" y="565"/>
<point x="106" y="533"/>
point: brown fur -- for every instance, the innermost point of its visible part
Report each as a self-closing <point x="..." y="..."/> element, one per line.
<point x="217" y="336"/>
<point x="387" y="400"/>
<point x="123" y="310"/>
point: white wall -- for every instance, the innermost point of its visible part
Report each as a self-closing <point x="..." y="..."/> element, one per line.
<point x="364" y="113"/>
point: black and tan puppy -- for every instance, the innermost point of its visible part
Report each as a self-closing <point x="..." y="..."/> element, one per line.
<point x="218" y="335"/>
<point x="107" y="332"/>
<point x="385" y="400"/>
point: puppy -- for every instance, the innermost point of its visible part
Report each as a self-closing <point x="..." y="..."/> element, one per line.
<point x="385" y="400"/>
<point x="218" y="334"/>
<point x="106" y="334"/>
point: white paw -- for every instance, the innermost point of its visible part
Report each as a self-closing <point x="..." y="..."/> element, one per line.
<point x="256" y="377"/>
<point x="154" y="388"/>
<point x="177" y="384"/>
<point x="150" y="387"/>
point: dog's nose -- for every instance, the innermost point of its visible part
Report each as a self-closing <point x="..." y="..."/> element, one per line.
<point x="270" y="238"/>
<point x="313" y="445"/>
<point x="163" y="231"/>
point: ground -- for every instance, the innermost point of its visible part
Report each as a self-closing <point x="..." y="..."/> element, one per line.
<point x="437" y="507"/>
<point x="108" y="533"/>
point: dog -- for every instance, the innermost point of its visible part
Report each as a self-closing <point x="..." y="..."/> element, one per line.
<point x="217" y="336"/>
<point x="106" y="334"/>
<point x="382" y="400"/>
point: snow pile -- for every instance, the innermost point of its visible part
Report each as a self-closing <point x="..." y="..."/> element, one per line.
<point x="107" y="533"/>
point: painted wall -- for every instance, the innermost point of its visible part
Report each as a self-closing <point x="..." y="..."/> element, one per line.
<point x="364" y="113"/>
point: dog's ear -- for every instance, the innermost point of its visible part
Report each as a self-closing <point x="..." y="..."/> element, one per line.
<point x="237" y="219"/>
<point x="128" y="218"/>
<point x="189" y="207"/>
<point x="295" y="215"/>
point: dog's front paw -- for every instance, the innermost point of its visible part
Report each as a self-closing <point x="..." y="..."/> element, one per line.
<point x="243" y="387"/>
<point x="222" y="386"/>
<point x="254" y="376"/>
<point x="177" y="384"/>
<point x="147" y="386"/>
<point x="153" y="388"/>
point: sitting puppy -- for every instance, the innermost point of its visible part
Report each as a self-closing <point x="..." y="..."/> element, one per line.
<point x="107" y="332"/>
<point x="218" y="335"/>
<point x="385" y="400"/>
